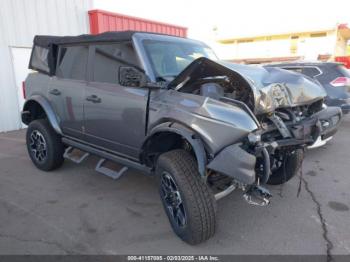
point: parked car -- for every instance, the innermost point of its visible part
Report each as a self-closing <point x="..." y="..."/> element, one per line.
<point x="334" y="77"/>
<point x="163" y="105"/>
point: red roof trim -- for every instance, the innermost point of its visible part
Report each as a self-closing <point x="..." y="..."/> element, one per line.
<point x="99" y="11"/>
<point x="343" y="26"/>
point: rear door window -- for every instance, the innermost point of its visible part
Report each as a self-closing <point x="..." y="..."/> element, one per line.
<point x="72" y="62"/>
<point x="308" y="71"/>
<point x="311" y="71"/>
<point x="295" y="69"/>
<point x="39" y="59"/>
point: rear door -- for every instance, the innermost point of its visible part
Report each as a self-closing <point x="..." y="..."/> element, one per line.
<point x="115" y="115"/>
<point x="67" y="88"/>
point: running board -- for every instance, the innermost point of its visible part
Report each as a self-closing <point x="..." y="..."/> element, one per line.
<point x="107" y="155"/>
<point x="103" y="169"/>
<point x="75" y="155"/>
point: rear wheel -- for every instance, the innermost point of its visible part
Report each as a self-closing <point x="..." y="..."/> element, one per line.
<point x="187" y="200"/>
<point x="286" y="165"/>
<point x="44" y="145"/>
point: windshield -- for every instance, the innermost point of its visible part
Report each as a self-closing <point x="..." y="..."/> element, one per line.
<point x="168" y="59"/>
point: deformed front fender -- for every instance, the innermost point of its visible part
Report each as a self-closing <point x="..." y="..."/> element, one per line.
<point x="235" y="162"/>
<point x="189" y="135"/>
<point x="45" y="105"/>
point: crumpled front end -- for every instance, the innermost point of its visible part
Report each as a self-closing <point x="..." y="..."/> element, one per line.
<point x="262" y="89"/>
<point x="287" y="108"/>
<point x="252" y="161"/>
<point x="275" y="88"/>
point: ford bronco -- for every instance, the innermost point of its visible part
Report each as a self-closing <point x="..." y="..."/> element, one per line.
<point x="166" y="106"/>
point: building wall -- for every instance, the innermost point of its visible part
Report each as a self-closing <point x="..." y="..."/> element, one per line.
<point x="305" y="45"/>
<point x="341" y="45"/>
<point x="20" y="20"/>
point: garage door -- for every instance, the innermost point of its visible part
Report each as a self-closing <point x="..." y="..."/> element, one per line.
<point x="20" y="61"/>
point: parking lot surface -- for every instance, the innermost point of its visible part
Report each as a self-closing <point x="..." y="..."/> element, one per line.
<point x="76" y="210"/>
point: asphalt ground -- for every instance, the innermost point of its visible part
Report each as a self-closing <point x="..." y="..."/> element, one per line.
<point x="75" y="210"/>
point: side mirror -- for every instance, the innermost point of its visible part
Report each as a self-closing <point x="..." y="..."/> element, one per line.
<point x="131" y="76"/>
<point x="134" y="77"/>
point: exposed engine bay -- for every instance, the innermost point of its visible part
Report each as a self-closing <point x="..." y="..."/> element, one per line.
<point x="224" y="86"/>
<point x="214" y="81"/>
<point x="263" y="90"/>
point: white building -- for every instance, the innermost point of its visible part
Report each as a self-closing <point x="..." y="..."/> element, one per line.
<point x="328" y="43"/>
<point x="20" y="20"/>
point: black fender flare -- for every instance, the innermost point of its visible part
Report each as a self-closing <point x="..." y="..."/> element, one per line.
<point x="190" y="136"/>
<point x="50" y="113"/>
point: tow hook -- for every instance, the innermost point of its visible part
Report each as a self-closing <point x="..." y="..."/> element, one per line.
<point x="257" y="195"/>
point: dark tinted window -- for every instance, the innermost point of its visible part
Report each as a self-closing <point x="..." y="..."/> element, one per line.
<point x="310" y="71"/>
<point x="295" y="69"/>
<point x="39" y="59"/>
<point x="72" y="62"/>
<point x="331" y="72"/>
<point x="109" y="58"/>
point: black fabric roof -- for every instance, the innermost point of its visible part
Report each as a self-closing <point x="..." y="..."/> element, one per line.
<point x="46" y="40"/>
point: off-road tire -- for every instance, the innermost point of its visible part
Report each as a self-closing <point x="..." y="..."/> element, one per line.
<point x="54" y="147"/>
<point x="287" y="171"/>
<point x="198" y="201"/>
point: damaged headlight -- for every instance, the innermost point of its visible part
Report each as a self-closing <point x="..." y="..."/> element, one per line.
<point x="280" y="95"/>
<point x="274" y="96"/>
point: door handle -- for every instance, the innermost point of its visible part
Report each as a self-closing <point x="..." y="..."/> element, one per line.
<point x="55" y="92"/>
<point x="93" y="99"/>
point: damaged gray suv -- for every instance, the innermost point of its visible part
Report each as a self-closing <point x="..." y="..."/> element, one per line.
<point x="164" y="105"/>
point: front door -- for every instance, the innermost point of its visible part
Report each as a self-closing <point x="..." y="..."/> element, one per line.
<point x="115" y="115"/>
<point x="67" y="88"/>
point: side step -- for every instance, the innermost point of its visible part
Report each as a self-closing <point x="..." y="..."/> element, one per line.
<point x="107" y="155"/>
<point x="107" y="170"/>
<point x="75" y="155"/>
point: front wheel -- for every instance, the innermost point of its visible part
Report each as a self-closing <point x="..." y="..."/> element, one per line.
<point x="187" y="200"/>
<point x="286" y="165"/>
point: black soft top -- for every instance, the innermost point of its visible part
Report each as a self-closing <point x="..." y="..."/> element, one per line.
<point x="45" y="47"/>
<point x="48" y="40"/>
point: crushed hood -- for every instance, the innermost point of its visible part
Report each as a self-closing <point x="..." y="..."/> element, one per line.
<point x="272" y="87"/>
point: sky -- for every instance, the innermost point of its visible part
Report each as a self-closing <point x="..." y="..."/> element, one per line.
<point x="236" y="17"/>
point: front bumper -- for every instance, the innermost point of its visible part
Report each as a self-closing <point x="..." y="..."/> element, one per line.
<point x="324" y="123"/>
<point x="236" y="162"/>
<point x="330" y="119"/>
<point x="319" y="142"/>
